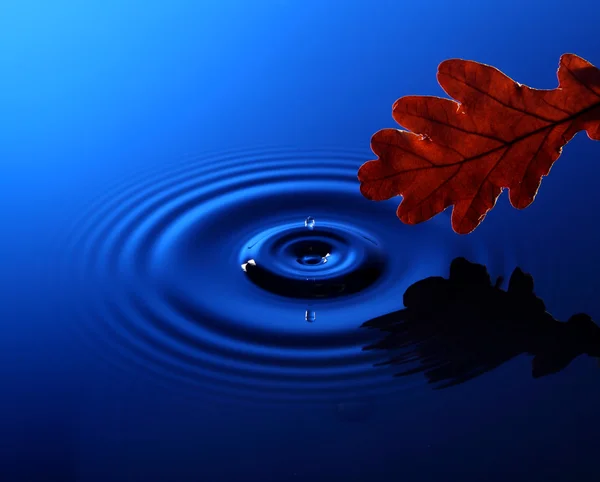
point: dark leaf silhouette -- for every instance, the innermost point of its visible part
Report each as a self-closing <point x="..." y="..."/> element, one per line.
<point x="458" y="328"/>
<point x="497" y="134"/>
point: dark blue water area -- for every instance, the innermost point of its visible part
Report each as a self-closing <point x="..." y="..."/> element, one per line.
<point x="187" y="258"/>
<point x="160" y="270"/>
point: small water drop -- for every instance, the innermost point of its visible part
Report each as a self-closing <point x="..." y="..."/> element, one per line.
<point x="313" y="259"/>
<point x="309" y="222"/>
<point x="249" y="262"/>
<point x="310" y="316"/>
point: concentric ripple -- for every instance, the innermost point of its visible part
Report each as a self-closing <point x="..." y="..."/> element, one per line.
<point x="329" y="261"/>
<point x="249" y="273"/>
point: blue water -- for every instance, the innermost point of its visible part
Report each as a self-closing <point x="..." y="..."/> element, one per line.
<point x="151" y="150"/>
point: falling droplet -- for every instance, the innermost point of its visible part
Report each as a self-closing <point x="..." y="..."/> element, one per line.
<point x="310" y="316"/>
<point x="309" y="222"/>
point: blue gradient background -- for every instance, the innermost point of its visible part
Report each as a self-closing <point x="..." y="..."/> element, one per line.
<point x="93" y="93"/>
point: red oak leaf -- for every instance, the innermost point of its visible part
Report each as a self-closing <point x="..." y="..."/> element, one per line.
<point x="497" y="134"/>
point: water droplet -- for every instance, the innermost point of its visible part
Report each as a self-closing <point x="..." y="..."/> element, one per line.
<point x="309" y="222"/>
<point x="310" y="316"/>
<point x="249" y="262"/>
<point x="313" y="259"/>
